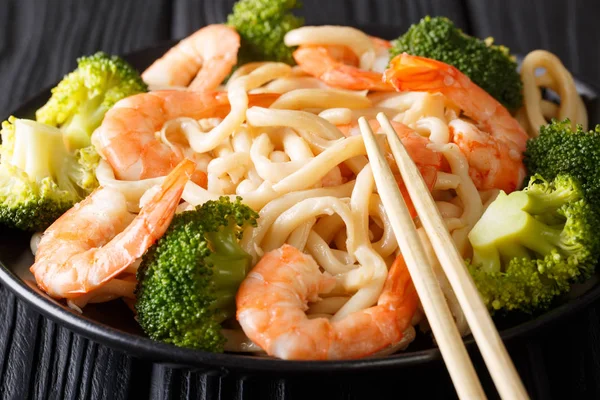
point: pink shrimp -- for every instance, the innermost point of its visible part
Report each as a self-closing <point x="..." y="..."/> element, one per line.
<point x="421" y="74"/>
<point x="127" y="137"/>
<point x="209" y="54"/>
<point x="272" y="300"/>
<point x="98" y="238"/>
<point x="493" y="164"/>
<point x="506" y="138"/>
<point x="337" y="66"/>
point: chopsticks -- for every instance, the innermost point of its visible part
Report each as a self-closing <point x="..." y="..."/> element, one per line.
<point x="443" y="326"/>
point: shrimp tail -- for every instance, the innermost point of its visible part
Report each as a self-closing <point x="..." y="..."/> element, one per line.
<point x="317" y="61"/>
<point x="408" y="72"/>
<point x="399" y="290"/>
<point x="147" y="227"/>
<point x="80" y="252"/>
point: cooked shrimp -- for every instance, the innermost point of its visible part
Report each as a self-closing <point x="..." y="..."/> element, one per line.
<point x="337" y="66"/>
<point x="209" y="54"/>
<point x="421" y="74"/>
<point x="273" y="299"/>
<point x="492" y="164"/>
<point x="127" y="139"/>
<point x="98" y="238"/>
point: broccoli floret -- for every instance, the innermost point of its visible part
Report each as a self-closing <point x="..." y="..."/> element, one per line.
<point x="262" y="24"/>
<point x="83" y="174"/>
<point x="37" y="183"/>
<point x="188" y="280"/>
<point x="558" y="149"/>
<point x="79" y="102"/>
<point x="531" y="245"/>
<point x="489" y="66"/>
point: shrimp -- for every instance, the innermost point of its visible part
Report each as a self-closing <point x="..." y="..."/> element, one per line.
<point x="209" y="54"/>
<point x="492" y="163"/>
<point x="127" y="140"/>
<point x="98" y="238"/>
<point x="421" y="74"/>
<point x="506" y="139"/>
<point x="337" y="66"/>
<point x="272" y="300"/>
<point x="428" y="161"/>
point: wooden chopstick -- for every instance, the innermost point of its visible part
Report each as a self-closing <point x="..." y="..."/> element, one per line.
<point x="499" y="363"/>
<point x="434" y="303"/>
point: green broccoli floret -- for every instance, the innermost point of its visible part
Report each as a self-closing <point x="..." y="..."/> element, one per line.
<point x="489" y="66"/>
<point x="79" y="102"/>
<point x="188" y="280"/>
<point x="262" y="24"/>
<point x="39" y="178"/>
<point x="531" y="245"/>
<point x="558" y="149"/>
<point x="83" y="173"/>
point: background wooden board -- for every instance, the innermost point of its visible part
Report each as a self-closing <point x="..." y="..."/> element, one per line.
<point x="40" y="41"/>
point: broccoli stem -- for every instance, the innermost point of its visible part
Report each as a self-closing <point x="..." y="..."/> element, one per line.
<point x="76" y="129"/>
<point x="230" y="266"/>
<point x="539" y="237"/>
<point x="38" y="149"/>
<point x="516" y="233"/>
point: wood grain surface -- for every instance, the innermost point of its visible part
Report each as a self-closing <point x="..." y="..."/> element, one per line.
<point x="40" y="41"/>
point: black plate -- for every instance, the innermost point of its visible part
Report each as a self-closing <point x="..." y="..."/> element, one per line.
<point x="113" y="325"/>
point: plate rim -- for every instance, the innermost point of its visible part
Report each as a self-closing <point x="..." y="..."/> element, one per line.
<point x="167" y="354"/>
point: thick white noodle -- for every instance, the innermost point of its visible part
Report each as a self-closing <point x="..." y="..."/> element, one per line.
<point x="132" y="190"/>
<point x="467" y="193"/>
<point x="387" y="244"/>
<point x="268" y="214"/>
<point x="284" y="85"/>
<point x="299" y="120"/>
<point x="435" y="127"/>
<point x="270" y="171"/>
<point x="202" y="142"/>
<point x="307" y="209"/>
<point x="328" y="226"/>
<point x="327" y="258"/>
<point x="318" y="167"/>
<point x="320" y="98"/>
<point x="370" y="290"/>
<point x="446" y="181"/>
<point x="337" y="116"/>
<point x="299" y="236"/>
<point x="355" y="40"/>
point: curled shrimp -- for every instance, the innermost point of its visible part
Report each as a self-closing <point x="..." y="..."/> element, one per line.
<point x="273" y="299"/>
<point x="127" y="137"/>
<point x="209" y="54"/>
<point x="338" y="66"/>
<point x="492" y="163"/>
<point x="506" y="138"/>
<point x="98" y="238"/>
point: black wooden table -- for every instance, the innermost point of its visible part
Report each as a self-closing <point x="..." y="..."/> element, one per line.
<point x="39" y="42"/>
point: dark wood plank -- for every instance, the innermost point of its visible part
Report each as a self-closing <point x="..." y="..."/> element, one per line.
<point x="39" y="43"/>
<point x="41" y="40"/>
<point x="567" y="28"/>
<point x="189" y="16"/>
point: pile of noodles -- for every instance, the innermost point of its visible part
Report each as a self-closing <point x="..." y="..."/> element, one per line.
<point x="312" y="185"/>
